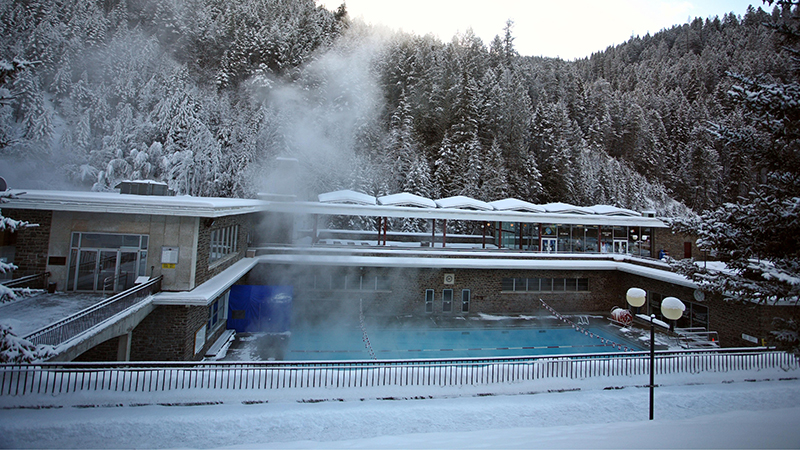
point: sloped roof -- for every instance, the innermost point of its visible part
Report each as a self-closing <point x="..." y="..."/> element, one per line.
<point x="463" y="202"/>
<point x="513" y="204"/>
<point x="406" y="199"/>
<point x="347" y="196"/>
<point x="566" y="208"/>
<point x="613" y="211"/>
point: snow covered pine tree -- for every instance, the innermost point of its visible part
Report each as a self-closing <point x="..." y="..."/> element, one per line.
<point x="759" y="236"/>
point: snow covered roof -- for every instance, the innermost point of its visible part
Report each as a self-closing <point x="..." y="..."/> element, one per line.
<point x="463" y="202"/>
<point x="112" y="202"/>
<point x="406" y="199"/>
<point x="613" y="211"/>
<point x="513" y="204"/>
<point x="347" y="196"/>
<point x="566" y="208"/>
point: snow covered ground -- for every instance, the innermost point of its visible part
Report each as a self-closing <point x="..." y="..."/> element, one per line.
<point x="757" y="409"/>
<point x="29" y="314"/>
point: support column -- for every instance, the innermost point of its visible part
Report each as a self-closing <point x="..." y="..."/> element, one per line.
<point x="444" y="233"/>
<point x="483" y="227"/>
<point x="433" y="233"/>
<point x="314" y="235"/>
<point x="380" y="221"/>
<point x="124" y="348"/>
<point x="385" y="223"/>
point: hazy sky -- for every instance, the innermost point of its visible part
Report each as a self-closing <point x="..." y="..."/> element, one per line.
<point x="568" y="29"/>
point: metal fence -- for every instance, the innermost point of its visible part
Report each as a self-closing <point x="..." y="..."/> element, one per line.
<point x="69" y="327"/>
<point x="59" y="378"/>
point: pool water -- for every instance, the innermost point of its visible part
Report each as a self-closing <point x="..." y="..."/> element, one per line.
<point x="350" y="343"/>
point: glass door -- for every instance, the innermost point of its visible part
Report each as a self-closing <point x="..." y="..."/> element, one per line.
<point x="620" y="246"/>
<point x="108" y="270"/>
<point x="87" y="266"/>
<point x="549" y="245"/>
<point x="126" y="275"/>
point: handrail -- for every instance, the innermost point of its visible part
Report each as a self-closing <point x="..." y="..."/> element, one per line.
<point x="58" y="378"/>
<point x="26" y="279"/>
<point x="81" y="321"/>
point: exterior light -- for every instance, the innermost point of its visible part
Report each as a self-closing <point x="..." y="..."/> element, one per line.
<point x="636" y="297"/>
<point x="672" y="308"/>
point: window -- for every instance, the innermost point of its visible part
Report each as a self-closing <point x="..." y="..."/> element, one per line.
<point x="545" y="284"/>
<point x="217" y="314"/>
<point x="465" y="300"/>
<point x="106" y="261"/>
<point x="429" y="300"/>
<point x="223" y="242"/>
<point x="447" y="300"/>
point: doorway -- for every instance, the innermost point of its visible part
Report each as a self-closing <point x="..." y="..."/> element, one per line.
<point x="106" y="262"/>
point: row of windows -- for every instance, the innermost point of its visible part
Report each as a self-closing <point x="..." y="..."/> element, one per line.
<point x="223" y="242"/>
<point x="351" y="283"/>
<point x="447" y="300"/>
<point x="545" y="284"/>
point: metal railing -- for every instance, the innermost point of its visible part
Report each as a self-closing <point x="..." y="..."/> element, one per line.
<point x="60" y="378"/>
<point x="38" y="281"/>
<point x="69" y="327"/>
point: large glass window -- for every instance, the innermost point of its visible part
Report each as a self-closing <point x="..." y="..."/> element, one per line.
<point x="545" y="284"/>
<point x="217" y="314"/>
<point x="591" y="241"/>
<point x="105" y="261"/>
<point x="223" y="242"/>
<point x="564" y="238"/>
<point x="606" y="240"/>
<point x="465" y="297"/>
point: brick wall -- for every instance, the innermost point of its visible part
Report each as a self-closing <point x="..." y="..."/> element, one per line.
<point x="168" y="334"/>
<point x="105" y="351"/>
<point x="32" y="242"/>
<point x="204" y="271"/>
<point x="408" y="286"/>
<point x="665" y="238"/>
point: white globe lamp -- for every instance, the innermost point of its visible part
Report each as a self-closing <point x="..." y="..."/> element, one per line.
<point x="672" y="309"/>
<point x="636" y="297"/>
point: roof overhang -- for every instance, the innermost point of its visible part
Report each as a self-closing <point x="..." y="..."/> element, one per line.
<point x="460" y="214"/>
<point x="111" y="202"/>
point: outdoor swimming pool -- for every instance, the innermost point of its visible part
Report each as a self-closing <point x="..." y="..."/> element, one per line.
<point x="466" y="340"/>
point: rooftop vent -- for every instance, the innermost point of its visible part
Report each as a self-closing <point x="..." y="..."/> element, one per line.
<point x="144" y="187"/>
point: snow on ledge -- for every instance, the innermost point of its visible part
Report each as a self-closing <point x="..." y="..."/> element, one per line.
<point x="463" y="202"/>
<point x="566" y="208"/>
<point x="513" y="204"/>
<point x="607" y="210"/>
<point x="347" y="196"/>
<point x="406" y="199"/>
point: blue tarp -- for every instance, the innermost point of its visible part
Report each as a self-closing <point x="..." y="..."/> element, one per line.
<point x="260" y="308"/>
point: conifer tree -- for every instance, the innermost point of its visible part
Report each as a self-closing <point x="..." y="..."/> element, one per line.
<point x="758" y="237"/>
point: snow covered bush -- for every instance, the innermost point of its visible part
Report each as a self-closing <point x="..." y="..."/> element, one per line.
<point x="16" y="350"/>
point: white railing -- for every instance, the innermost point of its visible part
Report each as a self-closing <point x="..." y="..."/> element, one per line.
<point x="59" y="378"/>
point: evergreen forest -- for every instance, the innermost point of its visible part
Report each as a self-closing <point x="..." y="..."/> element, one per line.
<point x="207" y="94"/>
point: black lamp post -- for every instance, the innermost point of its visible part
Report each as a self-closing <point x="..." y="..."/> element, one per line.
<point x="672" y="309"/>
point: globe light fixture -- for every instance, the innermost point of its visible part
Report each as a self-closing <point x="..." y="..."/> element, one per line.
<point x="672" y="308"/>
<point x="636" y="297"/>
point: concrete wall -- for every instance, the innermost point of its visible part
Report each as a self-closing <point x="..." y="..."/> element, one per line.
<point x="168" y="231"/>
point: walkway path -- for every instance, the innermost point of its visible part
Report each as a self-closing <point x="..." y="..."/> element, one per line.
<point x="29" y="314"/>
